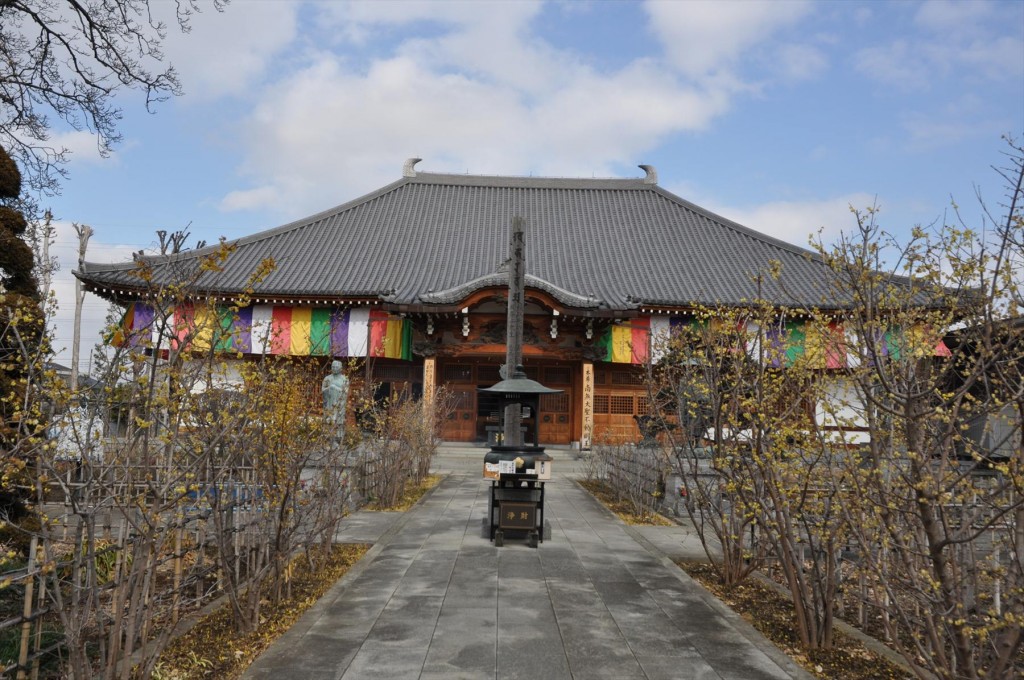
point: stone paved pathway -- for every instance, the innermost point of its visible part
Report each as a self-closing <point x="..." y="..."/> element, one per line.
<point x="435" y="599"/>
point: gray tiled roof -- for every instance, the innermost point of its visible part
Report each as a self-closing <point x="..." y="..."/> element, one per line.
<point x="428" y="239"/>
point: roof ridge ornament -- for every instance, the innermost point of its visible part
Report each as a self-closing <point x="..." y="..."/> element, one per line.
<point x="652" y="174"/>
<point x="409" y="169"/>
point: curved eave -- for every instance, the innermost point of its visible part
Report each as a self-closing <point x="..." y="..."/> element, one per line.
<point x="497" y="279"/>
<point x="669" y="307"/>
<point x="121" y="293"/>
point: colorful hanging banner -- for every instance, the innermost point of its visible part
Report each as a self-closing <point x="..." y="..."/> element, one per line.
<point x="201" y="327"/>
<point x="276" y="330"/>
<point x="360" y="332"/>
<point x="627" y="342"/>
<point x="819" y="345"/>
<point x="320" y="332"/>
<point x="825" y="345"/>
<point x="918" y="341"/>
<point x="390" y="338"/>
<point x="184" y="321"/>
<point x="350" y="333"/>
<point x="135" y="327"/>
<point x="663" y="328"/>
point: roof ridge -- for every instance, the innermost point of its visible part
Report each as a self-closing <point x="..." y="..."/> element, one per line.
<point x="531" y="181"/>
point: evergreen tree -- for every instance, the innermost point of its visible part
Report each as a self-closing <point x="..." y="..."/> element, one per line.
<point x="21" y="331"/>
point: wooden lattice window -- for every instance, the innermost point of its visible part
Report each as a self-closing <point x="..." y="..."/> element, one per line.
<point x="488" y="374"/>
<point x="600" y="403"/>
<point x="463" y="399"/>
<point x="643" y="406"/>
<point x="387" y="373"/>
<point x="557" y="375"/>
<point x="554" y="403"/>
<point x="458" y="373"/>
<point x="621" y="405"/>
<point x="627" y="378"/>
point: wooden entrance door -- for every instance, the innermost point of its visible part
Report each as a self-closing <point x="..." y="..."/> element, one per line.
<point x="461" y="423"/>
<point x="619" y="396"/>
<point x="555" y="426"/>
<point x="613" y="415"/>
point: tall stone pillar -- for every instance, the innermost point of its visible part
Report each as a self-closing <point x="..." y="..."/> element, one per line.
<point x="512" y="433"/>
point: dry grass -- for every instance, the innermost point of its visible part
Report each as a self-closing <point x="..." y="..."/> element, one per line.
<point x="770" y="612"/>
<point x="622" y="508"/>
<point x="212" y="648"/>
<point x="412" y="495"/>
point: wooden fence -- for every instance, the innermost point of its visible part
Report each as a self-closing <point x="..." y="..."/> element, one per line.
<point x="634" y="473"/>
<point x="30" y="642"/>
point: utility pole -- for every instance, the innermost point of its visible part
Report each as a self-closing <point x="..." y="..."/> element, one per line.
<point x="47" y="266"/>
<point x="84" y="232"/>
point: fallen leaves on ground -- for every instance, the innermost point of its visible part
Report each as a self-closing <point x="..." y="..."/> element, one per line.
<point x="212" y="648"/>
<point x="622" y="508"/>
<point x="413" y="493"/>
<point x="771" y="613"/>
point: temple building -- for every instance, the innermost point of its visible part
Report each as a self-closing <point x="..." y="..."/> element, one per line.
<point x="413" y="277"/>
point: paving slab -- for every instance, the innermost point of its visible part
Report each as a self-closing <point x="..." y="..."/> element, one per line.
<point x="434" y="598"/>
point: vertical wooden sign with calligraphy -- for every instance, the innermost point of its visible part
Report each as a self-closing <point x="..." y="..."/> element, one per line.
<point x="588" y="405"/>
<point x="429" y="378"/>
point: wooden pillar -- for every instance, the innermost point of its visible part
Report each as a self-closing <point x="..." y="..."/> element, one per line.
<point x="588" y="405"/>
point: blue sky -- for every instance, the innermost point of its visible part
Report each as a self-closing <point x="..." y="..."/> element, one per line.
<point x="779" y="115"/>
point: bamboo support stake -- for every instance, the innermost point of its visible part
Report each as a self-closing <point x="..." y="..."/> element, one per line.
<point x="200" y="551"/>
<point x="237" y="540"/>
<point x="862" y="612"/>
<point x="26" y="626"/>
<point x="177" y="568"/>
<point x="37" y="643"/>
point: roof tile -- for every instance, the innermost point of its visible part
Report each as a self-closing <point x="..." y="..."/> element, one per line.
<point x="622" y="241"/>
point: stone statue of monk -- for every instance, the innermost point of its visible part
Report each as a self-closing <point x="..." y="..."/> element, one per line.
<point x="335" y="393"/>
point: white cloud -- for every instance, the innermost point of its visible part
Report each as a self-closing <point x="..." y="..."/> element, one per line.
<point x="80" y="143"/>
<point x="800" y="62"/>
<point x="480" y="95"/>
<point x="947" y="15"/>
<point x="94" y="308"/>
<point x="363" y="127"/>
<point x="225" y="53"/>
<point x="897" y="63"/>
<point x="795" y="221"/>
<point x="261" y="198"/>
<point x="971" y="39"/>
<point x="707" y="38"/>
<point x="362" y="22"/>
<point x="963" y="118"/>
